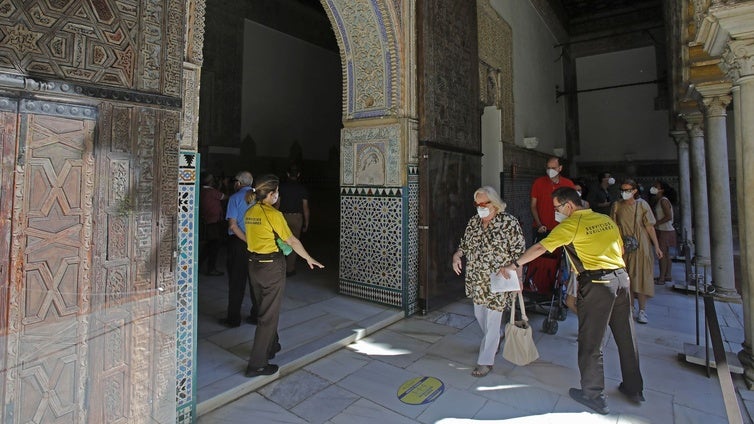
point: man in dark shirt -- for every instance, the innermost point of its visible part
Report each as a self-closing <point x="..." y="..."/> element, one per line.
<point x="599" y="196"/>
<point x="212" y="225"/>
<point x="294" y="204"/>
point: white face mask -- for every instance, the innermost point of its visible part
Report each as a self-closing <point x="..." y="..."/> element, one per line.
<point x="552" y="173"/>
<point x="560" y="217"/>
<point x="626" y="196"/>
<point x="483" y="212"/>
<point x="610" y="181"/>
<point x="653" y="190"/>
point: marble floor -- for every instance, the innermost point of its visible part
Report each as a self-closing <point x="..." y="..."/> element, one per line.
<point x="314" y="321"/>
<point x="359" y="382"/>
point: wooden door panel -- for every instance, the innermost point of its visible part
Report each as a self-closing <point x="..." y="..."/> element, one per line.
<point x="50" y="270"/>
<point x="8" y="141"/>
<point x="449" y="180"/>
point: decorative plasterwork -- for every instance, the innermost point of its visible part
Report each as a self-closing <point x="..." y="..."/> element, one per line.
<point x="738" y="59"/>
<point x="496" y="65"/>
<point x="371" y="156"/>
<point x="195" y="12"/>
<point x="724" y="23"/>
<point x="369" y="50"/>
<point x="190" y="125"/>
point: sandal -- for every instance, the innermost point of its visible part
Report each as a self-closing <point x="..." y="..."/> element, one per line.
<point x="481" y="370"/>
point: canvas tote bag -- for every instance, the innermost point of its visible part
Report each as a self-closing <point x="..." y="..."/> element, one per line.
<point x="519" y="347"/>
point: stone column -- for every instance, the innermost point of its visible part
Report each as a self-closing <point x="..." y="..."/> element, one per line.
<point x="715" y="99"/>
<point x="684" y="182"/>
<point x="700" y="242"/>
<point x="740" y="62"/>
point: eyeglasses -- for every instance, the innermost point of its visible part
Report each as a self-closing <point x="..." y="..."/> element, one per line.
<point x="628" y="190"/>
<point x="557" y="207"/>
<point x="482" y="204"/>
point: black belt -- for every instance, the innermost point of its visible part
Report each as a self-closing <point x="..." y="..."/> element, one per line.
<point x="596" y="274"/>
<point x="254" y="255"/>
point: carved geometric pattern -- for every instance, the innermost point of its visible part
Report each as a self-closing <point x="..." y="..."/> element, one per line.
<point x="128" y="44"/>
<point x="358" y="144"/>
<point x="186" y="273"/>
<point x="195" y="16"/>
<point x="190" y="127"/>
<point x="371" y="238"/>
<point x="369" y="52"/>
<point x="48" y="310"/>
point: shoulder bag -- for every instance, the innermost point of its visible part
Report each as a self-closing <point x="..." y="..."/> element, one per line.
<point x="519" y="347"/>
<point x="631" y="243"/>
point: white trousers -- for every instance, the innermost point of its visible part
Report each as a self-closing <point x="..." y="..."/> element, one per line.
<point x="489" y="320"/>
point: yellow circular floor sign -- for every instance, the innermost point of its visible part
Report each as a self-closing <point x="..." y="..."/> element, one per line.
<point x="420" y="390"/>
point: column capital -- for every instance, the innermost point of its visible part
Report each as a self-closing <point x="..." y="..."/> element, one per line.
<point x="681" y="138"/>
<point x="715" y="97"/>
<point x="694" y="124"/>
<point x="738" y="59"/>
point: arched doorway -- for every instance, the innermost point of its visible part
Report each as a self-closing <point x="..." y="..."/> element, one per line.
<point x="374" y="186"/>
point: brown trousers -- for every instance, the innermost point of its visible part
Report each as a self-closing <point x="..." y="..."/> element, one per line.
<point x="267" y="274"/>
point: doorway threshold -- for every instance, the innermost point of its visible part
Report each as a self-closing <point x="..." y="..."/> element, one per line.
<point x="311" y="331"/>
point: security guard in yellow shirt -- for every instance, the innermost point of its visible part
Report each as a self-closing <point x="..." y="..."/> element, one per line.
<point x="594" y="244"/>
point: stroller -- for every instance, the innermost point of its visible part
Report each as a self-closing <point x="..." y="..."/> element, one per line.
<point x="545" y="281"/>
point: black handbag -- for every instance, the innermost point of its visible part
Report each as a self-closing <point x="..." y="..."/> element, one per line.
<point x="631" y="243"/>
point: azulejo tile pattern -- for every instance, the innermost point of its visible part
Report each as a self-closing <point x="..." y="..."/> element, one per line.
<point x="411" y="242"/>
<point x="186" y="281"/>
<point x="371" y="240"/>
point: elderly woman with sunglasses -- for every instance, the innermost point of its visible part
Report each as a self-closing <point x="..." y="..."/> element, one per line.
<point x="492" y="240"/>
<point x="635" y="218"/>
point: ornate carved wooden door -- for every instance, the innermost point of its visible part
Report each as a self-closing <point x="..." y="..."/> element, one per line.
<point x="87" y="302"/>
<point x="449" y="141"/>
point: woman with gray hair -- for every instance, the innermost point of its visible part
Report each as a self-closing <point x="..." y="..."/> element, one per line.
<point x="492" y="240"/>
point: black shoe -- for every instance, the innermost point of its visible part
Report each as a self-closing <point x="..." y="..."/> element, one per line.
<point x="252" y="319"/>
<point x="225" y="323"/>
<point x="275" y="350"/>
<point x="599" y="405"/>
<point x="268" y="369"/>
<point x="636" y="398"/>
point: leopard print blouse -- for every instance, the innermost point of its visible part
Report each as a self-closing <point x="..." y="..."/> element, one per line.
<point x="486" y="251"/>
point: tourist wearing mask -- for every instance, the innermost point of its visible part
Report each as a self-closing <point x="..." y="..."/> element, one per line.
<point x="543" y="217"/>
<point x="492" y="239"/>
<point x="636" y="220"/>
<point x="663" y="208"/>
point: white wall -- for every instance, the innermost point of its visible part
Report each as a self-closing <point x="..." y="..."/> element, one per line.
<point x="536" y="72"/>
<point x="291" y="91"/>
<point x="492" y="147"/>
<point x="621" y="124"/>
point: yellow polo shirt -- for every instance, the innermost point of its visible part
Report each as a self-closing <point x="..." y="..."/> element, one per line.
<point x="595" y="236"/>
<point x="260" y="220"/>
